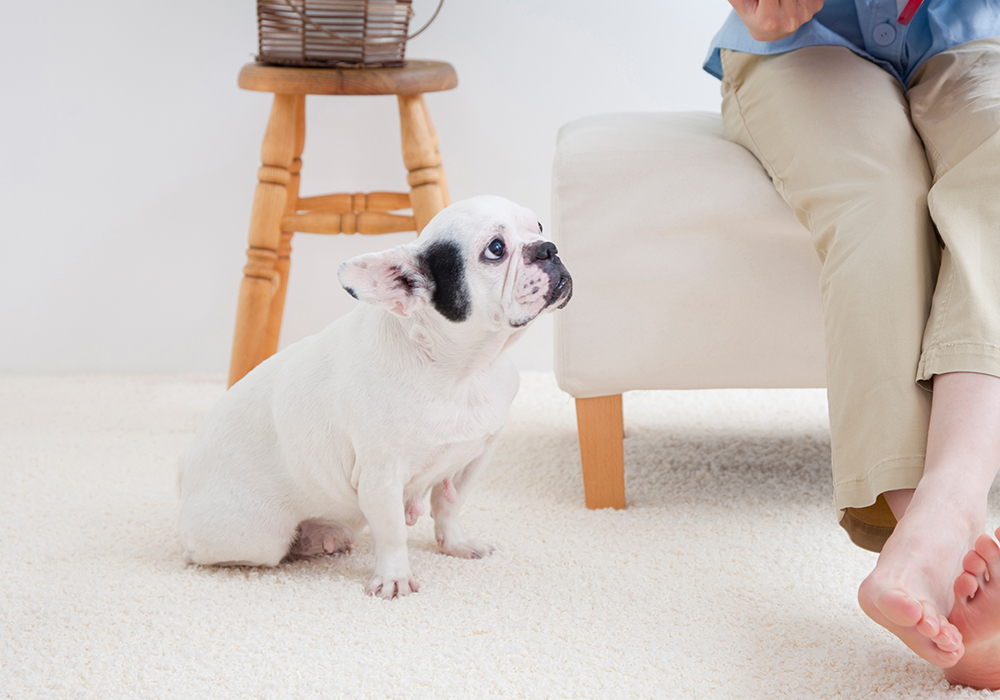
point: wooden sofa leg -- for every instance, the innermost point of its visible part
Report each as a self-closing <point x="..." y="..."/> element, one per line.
<point x="599" y="423"/>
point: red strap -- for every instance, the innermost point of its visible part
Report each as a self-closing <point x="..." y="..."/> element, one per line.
<point x="907" y="14"/>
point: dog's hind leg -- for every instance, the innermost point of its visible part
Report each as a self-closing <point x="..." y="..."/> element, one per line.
<point x="320" y="537"/>
<point x="446" y="501"/>
<point x="221" y="537"/>
<point x="259" y="553"/>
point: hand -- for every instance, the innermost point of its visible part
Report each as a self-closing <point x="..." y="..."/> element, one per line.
<point x="770" y="20"/>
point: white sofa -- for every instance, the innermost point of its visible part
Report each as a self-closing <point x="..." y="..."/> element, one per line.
<point x="689" y="272"/>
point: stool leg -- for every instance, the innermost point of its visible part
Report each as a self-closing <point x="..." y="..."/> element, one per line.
<point x="600" y="427"/>
<point x="428" y="187"/>
<point x="259" y="279"/>
<point x="442" y="179"/>
<point x="283" y="263"/>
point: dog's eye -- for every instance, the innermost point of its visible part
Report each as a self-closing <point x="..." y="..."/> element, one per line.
<point x="540" y="227"/>
<point x="495" y="250"/>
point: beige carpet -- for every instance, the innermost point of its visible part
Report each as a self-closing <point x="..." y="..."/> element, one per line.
<point x="727" y="576"/>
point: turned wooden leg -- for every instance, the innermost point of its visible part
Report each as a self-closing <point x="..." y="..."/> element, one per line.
<point x="260" y="280"/>
<point x="599" y="423"/>
<point x="428" y="187"/>
<point x="442" y="179"/>
<point x="283" y="263"/>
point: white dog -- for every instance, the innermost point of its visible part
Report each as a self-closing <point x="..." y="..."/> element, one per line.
<point x="403" y="395"/>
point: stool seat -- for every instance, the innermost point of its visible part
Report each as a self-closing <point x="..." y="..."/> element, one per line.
<point x="414" y="78"/>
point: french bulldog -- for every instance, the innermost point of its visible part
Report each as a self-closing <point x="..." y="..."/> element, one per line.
<point x="401" y="397"/>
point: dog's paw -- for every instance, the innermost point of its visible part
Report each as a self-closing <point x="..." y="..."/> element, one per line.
<point x="314" y="538"/>
<point x="414" y="509"/>
<point x="466" y="549"/>
<point x="390" y="588"/>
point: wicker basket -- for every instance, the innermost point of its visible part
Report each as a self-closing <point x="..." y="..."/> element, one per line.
<point x="333" y="33"/>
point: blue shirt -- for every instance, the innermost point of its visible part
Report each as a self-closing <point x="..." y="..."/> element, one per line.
<point x="869" y="29"/>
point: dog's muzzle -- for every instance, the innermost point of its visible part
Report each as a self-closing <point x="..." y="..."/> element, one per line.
<point x="545" y="255"/>
<point x="563" y="289"/>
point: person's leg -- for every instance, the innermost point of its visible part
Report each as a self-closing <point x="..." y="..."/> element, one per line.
<point x="955" y="102"/>
<point x="955" y="105"/>
<point x="834" y="133"/>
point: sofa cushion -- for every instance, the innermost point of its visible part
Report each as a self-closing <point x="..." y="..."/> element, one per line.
<point x="690" y="271"/>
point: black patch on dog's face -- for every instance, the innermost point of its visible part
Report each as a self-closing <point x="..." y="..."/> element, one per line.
<point x="443" y="260"/>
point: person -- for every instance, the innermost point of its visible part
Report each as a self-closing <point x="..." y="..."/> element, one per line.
<point x="882" y="132"/>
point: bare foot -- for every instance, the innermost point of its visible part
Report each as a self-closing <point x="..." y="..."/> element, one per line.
<point x="912" y="583"/>
<point x="977" y="616"/>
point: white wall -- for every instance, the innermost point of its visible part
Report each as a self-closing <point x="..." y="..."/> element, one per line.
<point x="129" y="157"/>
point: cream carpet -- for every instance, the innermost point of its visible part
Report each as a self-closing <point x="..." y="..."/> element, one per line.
<point x="727" y="576"/>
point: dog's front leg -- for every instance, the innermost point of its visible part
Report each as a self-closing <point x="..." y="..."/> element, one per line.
<point x="446" y="503"/>
<point x="380" y="497"/>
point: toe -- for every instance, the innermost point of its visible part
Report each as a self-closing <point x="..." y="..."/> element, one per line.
<point x="900" y="609"/>
<point x="966" y="586"/>
<point x="930" y="623"/>
<point x="989" y="551"/>
<point x="974" y="564"/>
<point x="949" y="639"/>
<point x="947" y="659"/>
<point x="405" y="587"/>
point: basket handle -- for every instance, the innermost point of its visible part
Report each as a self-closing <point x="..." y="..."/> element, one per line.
<point x="360" y="42"/>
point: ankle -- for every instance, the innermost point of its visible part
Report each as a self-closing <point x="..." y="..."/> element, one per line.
<point x="963" y="503"/>
<point x="898" y="501"/>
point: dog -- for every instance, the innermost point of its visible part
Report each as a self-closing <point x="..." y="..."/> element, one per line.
<point x="401" y="397"/>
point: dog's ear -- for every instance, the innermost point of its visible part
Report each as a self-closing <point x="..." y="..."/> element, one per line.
<point x="396" y="279"/>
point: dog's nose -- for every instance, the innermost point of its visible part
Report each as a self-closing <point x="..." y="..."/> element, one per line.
<point x="546" y="251"/>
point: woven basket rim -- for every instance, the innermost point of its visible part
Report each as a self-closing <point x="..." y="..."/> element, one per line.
<point x="364" y="41"/>
<point x="325" y="63"/>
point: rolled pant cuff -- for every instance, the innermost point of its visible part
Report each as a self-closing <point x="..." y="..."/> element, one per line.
<point x="959" y="357"/>
<point x="888" y="475"/>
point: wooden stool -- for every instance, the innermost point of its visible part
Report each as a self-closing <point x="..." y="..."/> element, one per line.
<point x="278" y="211"/>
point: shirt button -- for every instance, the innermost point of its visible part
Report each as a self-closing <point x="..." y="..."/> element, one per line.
<point x="884" y="34"/>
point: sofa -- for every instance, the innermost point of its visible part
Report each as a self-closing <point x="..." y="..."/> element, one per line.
<point x="690" y="272"/>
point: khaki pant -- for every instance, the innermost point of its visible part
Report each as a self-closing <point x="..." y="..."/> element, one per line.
<point x="901" y="193"/>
